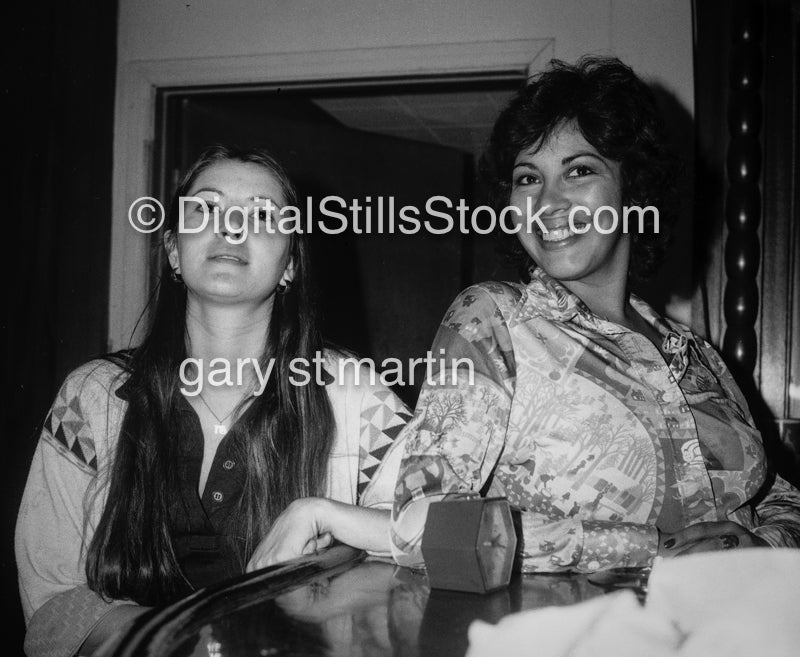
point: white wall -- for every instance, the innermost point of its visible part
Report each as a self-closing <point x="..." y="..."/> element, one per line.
<point x="653" y="36"/>
<point x="222" y="41"/>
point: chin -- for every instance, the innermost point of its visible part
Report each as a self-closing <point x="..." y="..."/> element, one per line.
<point x="220" y="292"/>
<point x="580" y="262"/>
<point x="563" y="271"/>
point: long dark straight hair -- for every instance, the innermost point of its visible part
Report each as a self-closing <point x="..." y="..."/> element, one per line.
<point x="284" y="436"/>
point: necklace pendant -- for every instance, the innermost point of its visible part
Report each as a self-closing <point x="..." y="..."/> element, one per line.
<point x="220" y="429"/>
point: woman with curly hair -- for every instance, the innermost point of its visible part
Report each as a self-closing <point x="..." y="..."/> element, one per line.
<point x="619" y="434"/>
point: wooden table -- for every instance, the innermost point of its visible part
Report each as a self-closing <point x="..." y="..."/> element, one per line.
<point x="337" y="603"/>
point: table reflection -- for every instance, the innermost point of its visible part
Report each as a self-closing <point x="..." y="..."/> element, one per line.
<point x="339" y="605"/>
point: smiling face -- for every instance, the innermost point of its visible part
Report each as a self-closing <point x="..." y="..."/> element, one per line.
<point x="567" y="171"/>
<point x="212" y="267"/>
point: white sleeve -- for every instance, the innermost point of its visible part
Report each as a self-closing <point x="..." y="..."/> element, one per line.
<point x="53" y="531"/>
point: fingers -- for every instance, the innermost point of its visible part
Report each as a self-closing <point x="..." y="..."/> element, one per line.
<point x="295" y="532"/>
<point x="257" y="561"/>
<point x="324" y="540"/>
<point x="318" y="543"/>
<point x="269" y="553"/>
<point x="723" y="542"/>
<point x="702" y="531"/>
<point x="707" y="545"/>
<point x="708" y="536"/>
<point x="270" y="558"/>
<point x="252" y="565"/>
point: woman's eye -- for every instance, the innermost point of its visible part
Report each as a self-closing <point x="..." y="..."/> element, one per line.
<point x="580" y="171"/>
<point x="525" y="179"/>
<point x="262" y="214"/>
<point x="197" y="211"/>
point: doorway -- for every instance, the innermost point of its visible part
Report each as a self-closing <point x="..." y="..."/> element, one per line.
<point x="381" y="295"/>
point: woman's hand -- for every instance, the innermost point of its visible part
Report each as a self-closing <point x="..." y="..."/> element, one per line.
<point x="300" y="530"/>
<point x="312" y="523"/>
<point x="707" y="537"/>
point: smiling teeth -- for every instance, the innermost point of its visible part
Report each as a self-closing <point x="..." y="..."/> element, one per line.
<point x="557" y="234"/>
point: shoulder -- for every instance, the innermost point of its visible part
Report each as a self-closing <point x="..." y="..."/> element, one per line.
<point x="709" y="353"/>
<point x="345" y="369"/>
<point x="85" y="404"/>
<point x="367" y="412"/>
<point x="484" y="307"/>
<point x="349" y="375"/>
<point x="712" y="358"/>
<point x="99" y="376"/>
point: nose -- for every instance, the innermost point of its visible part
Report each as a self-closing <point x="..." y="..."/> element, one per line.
<point x="233" y="223"/>
<point x="553" y="197"/>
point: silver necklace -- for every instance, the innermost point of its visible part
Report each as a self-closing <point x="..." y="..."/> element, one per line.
<point x="220" y="428"/>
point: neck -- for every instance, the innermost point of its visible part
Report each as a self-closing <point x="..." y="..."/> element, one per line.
<point x="605" y="291"/>
<point x="233" y="333"/>
<point x="608" y="299"/>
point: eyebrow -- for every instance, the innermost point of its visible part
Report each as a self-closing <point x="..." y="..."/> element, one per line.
<point x="220" y="193"/>
<point x="214" y="190"/>
<point x="570" y="158"/>
<point x="566" y="160"/>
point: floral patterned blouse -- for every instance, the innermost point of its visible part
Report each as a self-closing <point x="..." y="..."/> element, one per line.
<point x="596" y="435"/>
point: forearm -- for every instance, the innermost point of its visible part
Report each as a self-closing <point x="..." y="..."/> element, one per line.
<point x="546" y="546"/>
<point x="585" y="545"/>
<point x="358" y="526"/>
<point x="408" y="527"/>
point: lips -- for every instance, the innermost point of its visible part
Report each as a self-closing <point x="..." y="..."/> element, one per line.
<point x="234" y="258"/>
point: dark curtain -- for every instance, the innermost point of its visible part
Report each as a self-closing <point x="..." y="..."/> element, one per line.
<point x="60" y="68"/>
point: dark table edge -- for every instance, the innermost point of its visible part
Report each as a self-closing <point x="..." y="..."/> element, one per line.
<point x="144" y="637"/>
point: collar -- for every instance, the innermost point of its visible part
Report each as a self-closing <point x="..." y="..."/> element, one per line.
<point x="676" y="341"/>
<point x="548" y="298"/>
<point x="123" y="392"/>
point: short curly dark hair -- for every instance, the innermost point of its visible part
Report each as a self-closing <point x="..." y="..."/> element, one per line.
<point x="617" y="114"/>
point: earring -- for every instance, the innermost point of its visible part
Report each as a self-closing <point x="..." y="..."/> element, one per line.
<point x="175" y="275"/>
<point x="283" y="288"/>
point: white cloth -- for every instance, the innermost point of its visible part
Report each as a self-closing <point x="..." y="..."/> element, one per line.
<point x="731" y="604"/>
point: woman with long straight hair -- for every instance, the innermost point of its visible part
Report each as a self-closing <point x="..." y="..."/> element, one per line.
<point x="227" y="441"/>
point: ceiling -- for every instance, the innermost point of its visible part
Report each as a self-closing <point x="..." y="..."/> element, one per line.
<point x="458" y="119"/>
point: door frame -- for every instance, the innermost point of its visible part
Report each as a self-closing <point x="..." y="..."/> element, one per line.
<point x="135" y="123"/>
